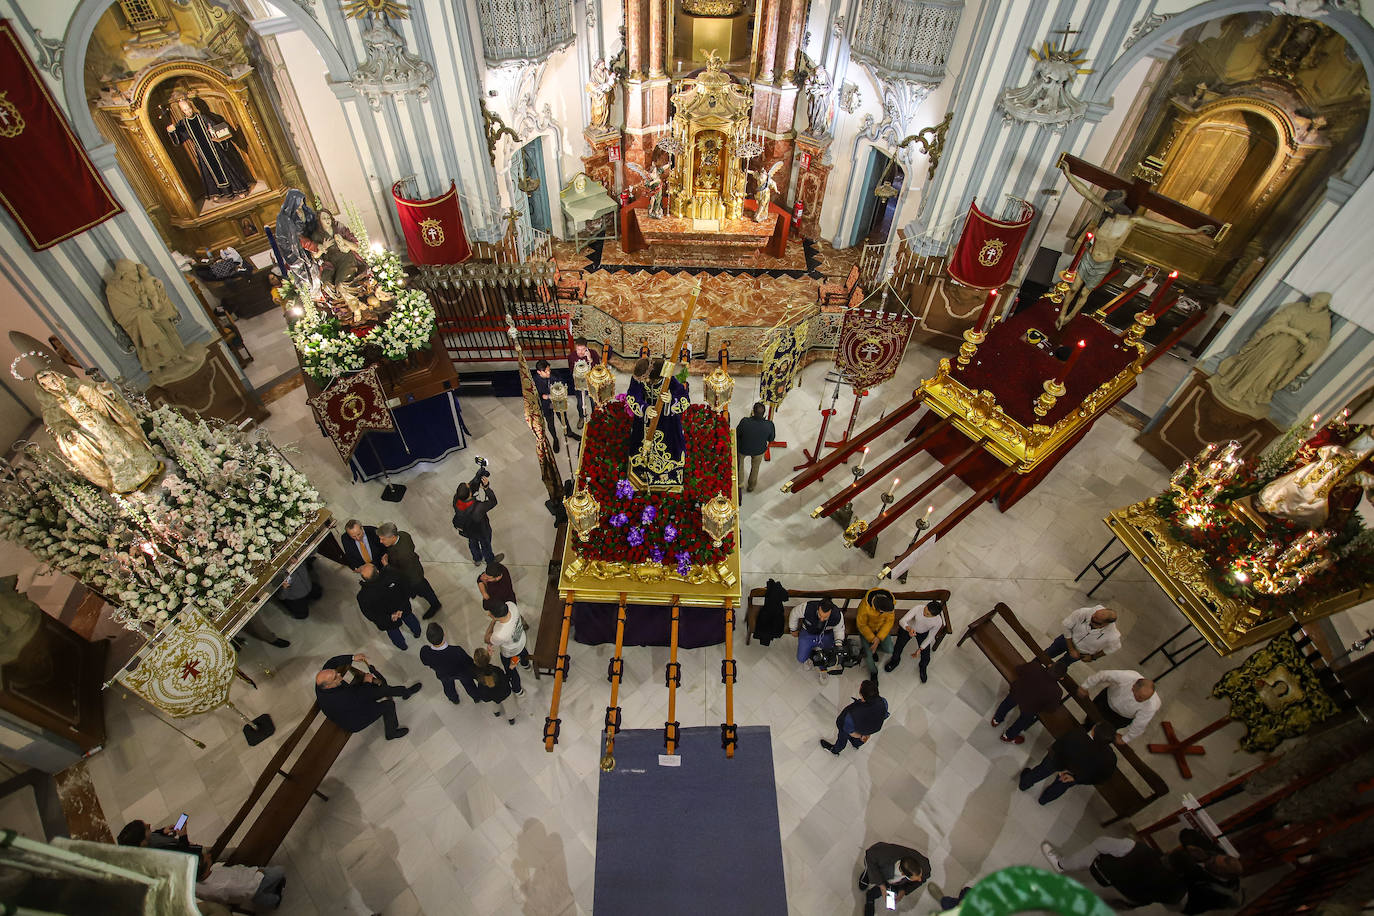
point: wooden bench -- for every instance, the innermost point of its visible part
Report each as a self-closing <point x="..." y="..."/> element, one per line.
<point x="550" y="628"/>
<point x="848" y="601"/>
<point x="278" y="815"/>
<point x="1119" y="792"/>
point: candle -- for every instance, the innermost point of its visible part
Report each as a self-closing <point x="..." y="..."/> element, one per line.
<point x="1159" y="294"/>
<point x="926" y="517"/>
<point x="893" y="489"/>
<point x="1074" y="354"/>
<point x="1082" y="249"/>
<point x="863" y="458"/>
<point x="1316" y="418"/>
<point x="986" y="314"/>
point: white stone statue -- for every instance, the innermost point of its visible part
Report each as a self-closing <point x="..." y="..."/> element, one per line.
<point x="818" y="88"/>
<point x="601" y="90"/>
<point x="1292" y="338"/>
<point x="1046" y="99"/>
<point x="96" y="432"/>
<point x="764" y="189"/>
<point x="1302" y="495"/>
<point x="143" y="309"/>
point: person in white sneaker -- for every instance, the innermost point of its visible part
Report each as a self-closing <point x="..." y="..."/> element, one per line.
<point x="506" y="635"/>
<point x="1136" y="870"/>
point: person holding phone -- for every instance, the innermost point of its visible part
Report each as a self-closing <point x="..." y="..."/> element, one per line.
<point x="891" y="872"/>
<point x="172" y="837"/>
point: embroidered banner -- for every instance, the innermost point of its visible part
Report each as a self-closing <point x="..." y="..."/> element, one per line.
<point x="350" y="407"/>
<point x="47" y="183"/>
<point x="782" y="353"/>
<point x="871" y="346"/>
<point x="987" y="248"/>
<point x="188" y="671"/>
<point x="434" y="228"/>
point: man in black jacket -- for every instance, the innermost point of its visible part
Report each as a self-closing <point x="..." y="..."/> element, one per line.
<point x="543" y="377"/>
<point x="1212" y="876"/>
<point x="470" y="518"/>
<point x="385" y="600"/>
<point x="1074" y="759"/>
<point x="1135" y="869"/>
<point x="889" y="867"/>
<point x="752" y="435"/>
<point x="361" y="545"/>
<point x="860" y="720"/>
<point x="354" y="706"/>
<point x="450" y="663"/>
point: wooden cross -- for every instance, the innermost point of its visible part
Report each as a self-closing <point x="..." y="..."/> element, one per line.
<point x="1066" y="31"/>
<point x="1140" y="194"/>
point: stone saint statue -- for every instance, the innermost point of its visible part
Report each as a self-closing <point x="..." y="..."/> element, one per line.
<point x="764" y="189"/>
<point x="96" y="432"/>
<point x="601" y="91"/>
<point x="818" y="88"/>
<point x="210" y="143"/>
<point x="1292" y="339"/>
<point x="139" y="302"/>
<point x="1115" y="223"/>
<point x="655" y="183"/>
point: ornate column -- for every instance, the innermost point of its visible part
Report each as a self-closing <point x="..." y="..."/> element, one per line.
<point x="658" y="38"/>
<point x="791" y="39"/>
<point x="635" y="14"/>
<point x="767" y="42"/>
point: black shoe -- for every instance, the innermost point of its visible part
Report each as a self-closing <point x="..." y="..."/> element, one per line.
<point x="281" y="643"/>
<point x="572" y="435"/>
<point x="304" y="616"/>
<point x="1022" y="782"/>
<point x="834" y="749"/>
<point x="892" y="666"/>
<point x="433" y="609"/>
<point x="923" y="676"/>
<point x="411" y="691"/>
<point x="398" y="733"/>
<point x="498" y="558"/>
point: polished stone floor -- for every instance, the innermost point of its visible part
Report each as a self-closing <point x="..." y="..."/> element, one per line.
<point x="469" y="815"/>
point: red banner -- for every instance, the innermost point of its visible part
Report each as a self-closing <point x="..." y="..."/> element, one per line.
<point x="871" y="346"/>
<point x="988" y="247"/>
<point x="50" y="187"/>
<point x="350" y="407"/>
<point x="434" y="228"/>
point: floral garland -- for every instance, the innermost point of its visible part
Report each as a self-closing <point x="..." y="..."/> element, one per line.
<point x="328" y="349"/>
<point x="655" y="526"/>
<point x="197" y="539"/>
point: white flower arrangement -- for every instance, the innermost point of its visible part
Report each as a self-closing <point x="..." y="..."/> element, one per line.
<point x="199" y="538"/>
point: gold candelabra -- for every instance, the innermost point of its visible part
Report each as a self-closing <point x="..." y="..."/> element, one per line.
<point x="972" y="339"/>
<point x="1054" y="390"/>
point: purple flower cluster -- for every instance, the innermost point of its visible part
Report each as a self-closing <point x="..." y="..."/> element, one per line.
<point x="619" y="519"/>
<point x="635" y="537"/>
<point x="669" y="533"/>
<point x="646" y="517"/>
<point x="684" y="562"/>
<point x="624" y="490"/>
<point x="656" y="554"/>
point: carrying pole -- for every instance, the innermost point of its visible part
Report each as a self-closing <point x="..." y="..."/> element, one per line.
<point x="728" y="733"/>
<point x="615" y="669"/>
<point x="560" y="671"/>
<point x="672" y="678"/>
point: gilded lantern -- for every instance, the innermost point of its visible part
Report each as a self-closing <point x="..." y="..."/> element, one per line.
<point x="718" y="518"/>
<point x="718" y="387"/>
<point x="580" y="370"/>
<point x="558" y="397"/>
<point x="601" y="384"/>
<point x="584" y="512"/>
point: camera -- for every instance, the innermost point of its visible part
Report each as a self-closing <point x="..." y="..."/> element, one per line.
<point x="482" y="475"/>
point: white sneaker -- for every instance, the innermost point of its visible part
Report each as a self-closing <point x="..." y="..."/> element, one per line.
<point x="823" y="675"/>
<point x="520" y="693"/>
<point x="1052" y="857"/>
<point x="808" y="665"/>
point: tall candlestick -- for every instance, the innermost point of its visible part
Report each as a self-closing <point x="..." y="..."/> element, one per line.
<point x="863" y="458"/>
<point x="986" y="313"/>
<point x="893" y="489"/>
<point x="1082" y="249"/>
<point x="1159" y="293"/>
<point x="926" y="517"/>
<point x="1074" y="354"/>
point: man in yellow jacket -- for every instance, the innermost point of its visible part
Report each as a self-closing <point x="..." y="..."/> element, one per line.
<point x="876" y="619"/>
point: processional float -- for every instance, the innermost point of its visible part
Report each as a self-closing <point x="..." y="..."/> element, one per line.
<point x="653" y="525"/>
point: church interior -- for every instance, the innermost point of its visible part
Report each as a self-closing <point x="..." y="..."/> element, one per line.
<point x="687" y="456"/>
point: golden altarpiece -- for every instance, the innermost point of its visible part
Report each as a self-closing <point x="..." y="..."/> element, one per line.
<point x="155" y="68"/>
<point x="1254" y="119"/>
<point x="710" y="130"/>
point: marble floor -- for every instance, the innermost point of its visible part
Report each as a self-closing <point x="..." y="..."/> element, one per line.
<point x="469" y="815"/>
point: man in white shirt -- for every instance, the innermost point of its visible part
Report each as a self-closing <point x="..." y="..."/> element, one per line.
<point x="506" y="633"/>
<point x="1089" y="633"/>
<point x="924" y="623"/>
<point x="1127" y="700"/>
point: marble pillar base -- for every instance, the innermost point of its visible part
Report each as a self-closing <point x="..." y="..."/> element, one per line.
<point x="215" y="390"/>
<point x="811" y="181"/>
<point x="597" y="164"/>
<point x="1196" y="418"/>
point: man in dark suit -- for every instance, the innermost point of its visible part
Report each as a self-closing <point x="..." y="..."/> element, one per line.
<point x="401" y="558"/>
<point x="1074" y="759"/>
<point x="385" y="601"/>
<point x="361" y="545"/>
<point x="354" y="706"/>
<point x="860" y="720"/>
<point x="450" y="663"/>
<point x="889" y="867"/>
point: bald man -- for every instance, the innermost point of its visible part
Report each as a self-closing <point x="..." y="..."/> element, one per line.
<point x="1127" y="701"/>
<point x="1089" y="633"/>
<point x="354" y="706"/>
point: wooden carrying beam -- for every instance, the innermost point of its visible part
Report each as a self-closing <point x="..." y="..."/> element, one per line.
<point x="728" y="733"/>
<point x="615" y="669"/>
<point x="950" y="520"/>
<point x="672" y="677"/>
<point x="560" y="671"/>
<point x="876" y="474"/>
<point x="900" y="508"/>
<point x="837" y="457"/>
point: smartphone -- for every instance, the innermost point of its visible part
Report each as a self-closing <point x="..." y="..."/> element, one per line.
<point x="892" y="900"/>
<point x="181" y="822"/>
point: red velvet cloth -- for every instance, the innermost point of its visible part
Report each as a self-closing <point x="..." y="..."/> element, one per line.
<point x="1015" y="370"/>
<point x="433" y="228"/>
<point x="987" y="248"/>
<point x="47" y="183"/>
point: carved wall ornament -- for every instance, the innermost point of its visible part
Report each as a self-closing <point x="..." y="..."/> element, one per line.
<point x="1313" y="9"/>
<point x="1046" y="98"/>
<point x="1143" y="27"/>
<point x="494" y="128"/>
<point x="592" y="12"/>
<point x="906" y="38"/>
<point x="901" y="99"/>
<point x="523" y="30"/>
<point x="849" y="98"/>
<point x="49" y="53"/>
<point x="358" y="9"/>
<point x="389" y="69"/>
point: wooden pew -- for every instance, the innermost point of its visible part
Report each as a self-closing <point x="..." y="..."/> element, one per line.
<point x="279" y="814"/>
<point x="550" y="627"/>
<point x="1119" y="792"/>
<point x="847" y="600"/>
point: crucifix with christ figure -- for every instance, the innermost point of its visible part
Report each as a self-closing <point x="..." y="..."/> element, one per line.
<point x="1123" y="202"/>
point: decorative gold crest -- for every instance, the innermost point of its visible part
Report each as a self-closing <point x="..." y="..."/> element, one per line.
<point x="991" y="252"/>
<point x="11" y="121"/>
<point x="357" y="9"/>
<point x="432" y="232"/>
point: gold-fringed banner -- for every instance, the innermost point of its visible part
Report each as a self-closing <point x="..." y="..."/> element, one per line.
<point x="188" y="671"/>
<point x="782" y="353"/>
<point x="871" y="346"/>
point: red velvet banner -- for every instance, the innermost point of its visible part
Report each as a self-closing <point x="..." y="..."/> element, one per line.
<point x="47" y="183"/>
<point x="987" y="248"/>
<point x="434" y="228"/>
<point x="350" y="407"/>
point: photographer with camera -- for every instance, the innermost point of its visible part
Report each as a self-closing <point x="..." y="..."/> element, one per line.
<point x="471" y="503"/>
<point x="819" y="625"/>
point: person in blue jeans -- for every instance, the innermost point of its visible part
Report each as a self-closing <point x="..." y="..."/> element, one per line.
<point x="860" y="720"/>
<point x="471" y="503"/>
<point x="385" y="600"/>
<point x="817" y="624"/>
